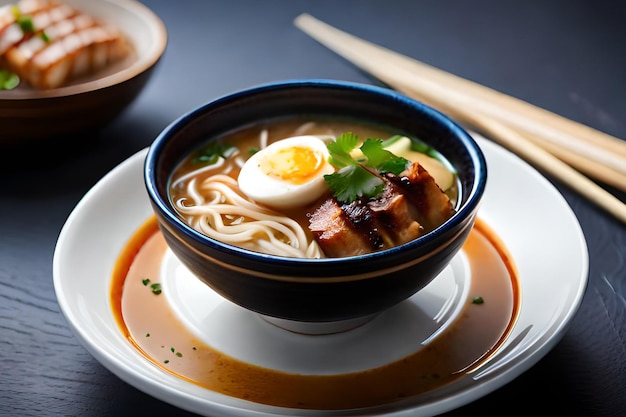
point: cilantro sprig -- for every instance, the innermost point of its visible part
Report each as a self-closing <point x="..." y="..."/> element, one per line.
<point x="360" y="178"/>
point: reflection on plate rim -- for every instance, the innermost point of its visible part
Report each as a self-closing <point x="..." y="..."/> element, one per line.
<point x="84" y="301"/>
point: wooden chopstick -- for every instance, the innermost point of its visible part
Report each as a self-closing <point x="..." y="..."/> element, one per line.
<point x="595" y="153"/>
<point x="580" y="161"/>
<point x="537" y="156"/>
<point x="392" y="68"/>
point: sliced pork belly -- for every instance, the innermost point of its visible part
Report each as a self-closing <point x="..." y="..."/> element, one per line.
<point x="64" y="45"/>
<point x="358" y="228"/>
<point x="410" y="205"/>
<point x="432" y="205"/>
<point x="335" y="233"/>
<point x="393" y="218"/>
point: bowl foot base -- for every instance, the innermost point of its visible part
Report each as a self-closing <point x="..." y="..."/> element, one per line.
<point x="318" y="328"/>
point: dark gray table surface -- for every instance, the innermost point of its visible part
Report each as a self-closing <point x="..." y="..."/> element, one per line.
<point x="563" y="55"/>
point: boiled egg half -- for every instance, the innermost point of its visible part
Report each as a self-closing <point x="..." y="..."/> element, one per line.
<point x="288" y="173"/>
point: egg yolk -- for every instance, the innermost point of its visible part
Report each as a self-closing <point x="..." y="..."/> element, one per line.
<point x="295" y="164"/>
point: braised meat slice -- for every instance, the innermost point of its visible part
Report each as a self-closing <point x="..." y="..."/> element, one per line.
<point x="387" y="220"/>
<point x="411" y="204"/>
<point x="335" y="233"/>
<point x="48" y="43"/>
<point x="432" y="205"/>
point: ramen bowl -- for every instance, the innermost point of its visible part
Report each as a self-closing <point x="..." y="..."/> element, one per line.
<point x="329" y="290"/>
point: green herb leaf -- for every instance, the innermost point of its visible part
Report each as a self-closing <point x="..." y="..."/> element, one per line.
<point x="26" y="24"/>
<point x="381" y="159"/>
<point x="340" y="150"/>
<point x="210" y="153"/>
<point x="478" y="300"/>
<point x="8" y="80"/>
<point x="360" y="178"/>
<point x="156" y="288"/>
<point x="352" y="182"/>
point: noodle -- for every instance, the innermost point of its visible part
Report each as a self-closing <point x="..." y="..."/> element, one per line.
<point x="220" y="162"/>
<point x="210" y="200"/>
<point x="217" y="208"/>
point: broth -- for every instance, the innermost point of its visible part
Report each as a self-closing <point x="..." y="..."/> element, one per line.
<point x="218" y="194"/>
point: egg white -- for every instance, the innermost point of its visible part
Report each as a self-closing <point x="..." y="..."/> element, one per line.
<point x="279" y="194"/>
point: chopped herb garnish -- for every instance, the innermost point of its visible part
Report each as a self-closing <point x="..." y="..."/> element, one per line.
<point x="166" y="361"/>
<point x="178" y="354"/>
<point x="147" y="334"/>
<point x="210" y="153"/>
<point x="8" y="80"/>
<point x="43" y="35"/>
<point x="360" y="178"/>
<point x="252" y="150"/>
<point x="26" y="24"/>
<point x="156" y="288"/>
<point x="477" y="300"/>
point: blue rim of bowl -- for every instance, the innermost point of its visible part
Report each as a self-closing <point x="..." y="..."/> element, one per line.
<point x="467" y="210"/>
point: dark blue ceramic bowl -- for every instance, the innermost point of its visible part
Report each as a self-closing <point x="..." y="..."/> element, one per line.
<point x="316" y="290"/>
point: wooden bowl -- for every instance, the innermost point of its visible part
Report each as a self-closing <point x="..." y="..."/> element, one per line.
<point x="28" y="114"/>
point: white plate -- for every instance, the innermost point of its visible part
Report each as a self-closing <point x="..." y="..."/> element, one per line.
<point x="529" y="215"/>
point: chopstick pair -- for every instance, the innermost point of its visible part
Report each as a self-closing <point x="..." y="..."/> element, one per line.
<point x="561" y="147"/>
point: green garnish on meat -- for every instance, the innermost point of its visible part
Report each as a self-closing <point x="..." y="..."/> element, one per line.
<point x="360" y="178"/>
